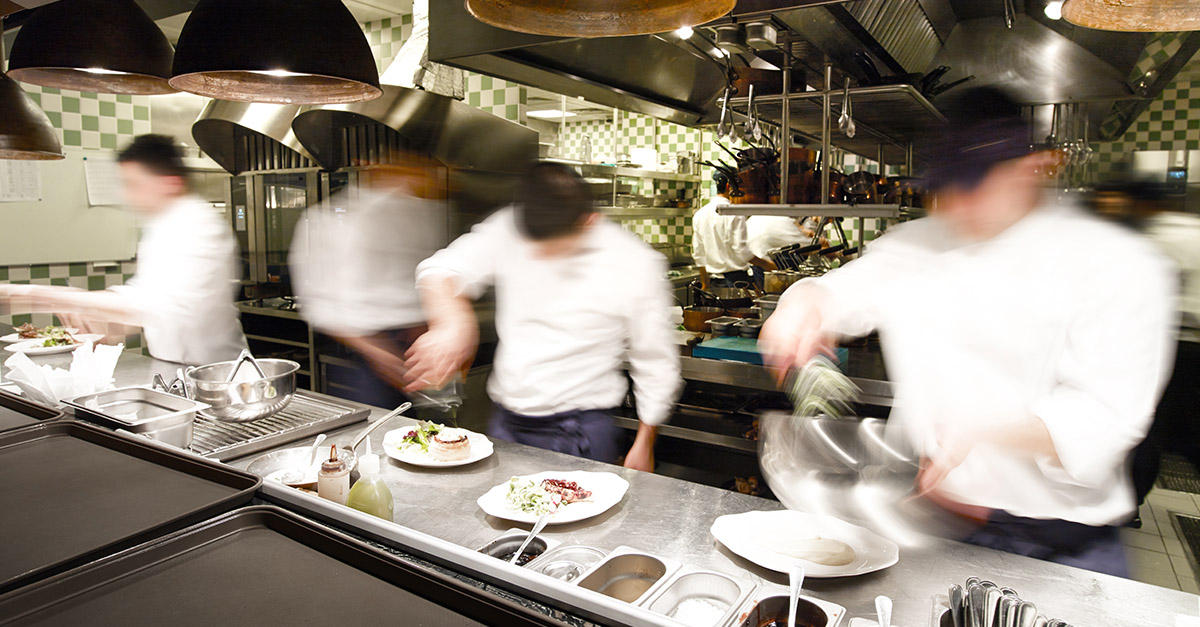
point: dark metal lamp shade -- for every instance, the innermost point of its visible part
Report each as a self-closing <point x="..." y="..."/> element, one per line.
<point x="25" y="131"/>
<point x="276" y="51"/>
<point x="596" y="18"/>
<point x="1141" y="16"/>
<point x="107" y="46"/>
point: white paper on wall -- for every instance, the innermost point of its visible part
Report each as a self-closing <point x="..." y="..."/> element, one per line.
<point x="103" y="182"/>
<point x="20" y="181"/>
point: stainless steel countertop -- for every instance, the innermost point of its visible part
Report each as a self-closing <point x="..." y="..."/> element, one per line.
<point x="670" y="517"/>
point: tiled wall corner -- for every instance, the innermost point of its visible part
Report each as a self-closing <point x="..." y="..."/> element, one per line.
<point x="386" y="36"/>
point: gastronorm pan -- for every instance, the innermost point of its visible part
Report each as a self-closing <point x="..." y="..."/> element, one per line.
<point x="165" y="417"/>
<point x="17" y="412"/>
<point x="259" y="566"/>
<point x="74" y="492"/>
<point x="628" y="575"/>
<point x="700" y="598"/>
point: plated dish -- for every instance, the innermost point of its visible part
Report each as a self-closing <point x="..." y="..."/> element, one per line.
<point x="52" y="345"/>
<point x="27" y="332"/>
<point x="566" y="496"/>
<point x="436" y="446"/>
<point x="824" y="545"/>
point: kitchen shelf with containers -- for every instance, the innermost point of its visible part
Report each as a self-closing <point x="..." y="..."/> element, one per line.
<point x="635" y="193"/>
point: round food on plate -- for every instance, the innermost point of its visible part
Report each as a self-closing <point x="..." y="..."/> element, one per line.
<point x="450" y="445"/>
<point x="814" y="549"/>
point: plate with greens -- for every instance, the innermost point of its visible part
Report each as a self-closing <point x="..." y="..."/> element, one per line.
<point x="568" y="496"/>
<point x="27" y="332"/>
<point x="64" y="343"/>
<point x="433" y="445"/>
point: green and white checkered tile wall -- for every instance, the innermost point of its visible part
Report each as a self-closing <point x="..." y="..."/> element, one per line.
<point x="87" y="276"/>
<point x="1169" y="123"/>
<point x="386" y="36"/>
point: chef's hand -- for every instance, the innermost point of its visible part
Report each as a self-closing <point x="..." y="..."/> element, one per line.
<point x="83" y="323"/>
<point x="954" y="444"/>
<point x="641" y="454"/>
<point x="379" y="357"/>
<point x="793" y="335"/>
<point x="439" y="354"/>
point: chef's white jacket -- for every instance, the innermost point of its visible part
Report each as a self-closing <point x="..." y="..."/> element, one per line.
<point x="720" y="243"/>
<point x="185" y="285"/>
<point x="353" y="260"/>
<point x="764" y="233"/>
<point x="568" y="324"/>
<point x="1062" y="317"/>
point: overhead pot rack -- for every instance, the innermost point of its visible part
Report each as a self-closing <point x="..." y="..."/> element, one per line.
<point x="106" y="46"/>
<point x="275" y="51"/>
<point x="243" y="136"/>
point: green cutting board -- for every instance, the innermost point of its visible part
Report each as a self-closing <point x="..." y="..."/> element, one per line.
<point x="730" y="349"/>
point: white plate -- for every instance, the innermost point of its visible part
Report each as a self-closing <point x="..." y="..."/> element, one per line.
<point x="481" y="448"/>
<point x="750" y="535"/>
<point x="16" y="337"/>
<point x="34" y="347"/>
<point x="607" y="490"/>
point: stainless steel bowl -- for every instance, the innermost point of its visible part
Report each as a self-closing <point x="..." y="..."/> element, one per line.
<point x="296" y="459"/>
<point x="242" y="400"/>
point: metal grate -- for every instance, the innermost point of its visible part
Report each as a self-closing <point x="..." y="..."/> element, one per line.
<point x="1178" y="474"/>
<point x="305" y="415"/>
<point x="1189" y="532"/>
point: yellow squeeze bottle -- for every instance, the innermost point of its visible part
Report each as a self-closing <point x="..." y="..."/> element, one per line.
<point x="370" y="493"/>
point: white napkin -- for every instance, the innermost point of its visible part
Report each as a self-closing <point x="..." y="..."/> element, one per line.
<point x="91" y="371"/>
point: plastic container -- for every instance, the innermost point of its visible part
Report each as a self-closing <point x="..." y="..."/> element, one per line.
<point x="370" y="493"/>
<point x="333" y="480"/>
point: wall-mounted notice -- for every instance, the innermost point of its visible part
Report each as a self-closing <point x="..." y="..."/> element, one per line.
<point x="20" y="181"/>
<point x="103" y="182"/>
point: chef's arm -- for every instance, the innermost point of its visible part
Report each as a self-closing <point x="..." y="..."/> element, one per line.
<point x="759" y="262"/>
<point x="99" y="305"/>
<point x="653" y="361"/>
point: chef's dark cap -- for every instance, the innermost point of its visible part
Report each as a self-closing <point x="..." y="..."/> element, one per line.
<point x="983" y="128"/>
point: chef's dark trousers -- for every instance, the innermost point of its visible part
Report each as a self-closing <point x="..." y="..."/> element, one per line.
<point x="1075" y="544"/>
<point x="586" y="433"/>
<point x="1176" y="427"/>
<point x="371" y="389"/>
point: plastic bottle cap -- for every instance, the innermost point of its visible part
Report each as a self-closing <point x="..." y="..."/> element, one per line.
<point x="368" y="465"/>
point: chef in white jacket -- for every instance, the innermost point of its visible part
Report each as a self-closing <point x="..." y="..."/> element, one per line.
<point x="182" y="294"/>
<point x="577" y="297"/>
<point x="1026" y="363"/>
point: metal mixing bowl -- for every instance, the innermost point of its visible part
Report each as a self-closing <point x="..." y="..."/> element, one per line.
<point x="242" y="401"/>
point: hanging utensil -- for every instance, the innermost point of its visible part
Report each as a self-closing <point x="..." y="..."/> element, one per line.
<point x="748" y="128"/>
<point x="724" y="127"/>
<point x="757" y="131"/>
<point x="845" y="121"/>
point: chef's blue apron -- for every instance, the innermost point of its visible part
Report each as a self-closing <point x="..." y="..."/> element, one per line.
<point x="586" y="433"/>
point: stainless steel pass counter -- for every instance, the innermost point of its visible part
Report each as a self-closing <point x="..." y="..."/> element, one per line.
<point x="671" y="518"/>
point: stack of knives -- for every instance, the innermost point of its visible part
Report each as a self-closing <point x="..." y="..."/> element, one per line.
<point x="984" y="604"/>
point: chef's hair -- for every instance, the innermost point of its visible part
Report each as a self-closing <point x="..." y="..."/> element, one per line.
<point x="552" y="200"/>
<point x="157" y="153"/>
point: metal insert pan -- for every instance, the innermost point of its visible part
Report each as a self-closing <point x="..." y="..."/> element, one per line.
<point x="18" y="412"/>
<point x="258" y="566"/>
<point x="73" y="493"/>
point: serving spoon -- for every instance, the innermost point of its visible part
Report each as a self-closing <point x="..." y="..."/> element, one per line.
<point x="883" y="611"/>
<point x="796" y="579"/>
<point x="537" y="528"/>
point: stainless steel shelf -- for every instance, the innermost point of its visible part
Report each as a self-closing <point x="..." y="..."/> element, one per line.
<point x="629" y="213"/>
<point x="694" y="435"/>
<point x="890" y="116"/>
<point x="604" y="170"/>
<point x="799" y="211"/>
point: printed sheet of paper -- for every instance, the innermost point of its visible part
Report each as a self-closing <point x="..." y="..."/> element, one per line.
<point x="20" y="181"/>
<point x="103" y="183"/>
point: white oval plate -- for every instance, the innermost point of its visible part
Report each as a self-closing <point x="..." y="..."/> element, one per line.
<point x="481" y="448"/>
<point x="750" y="535"/>
<point x="607" y="490"/>
<point x="16" y="337"/>
<point x="34" y="347"/>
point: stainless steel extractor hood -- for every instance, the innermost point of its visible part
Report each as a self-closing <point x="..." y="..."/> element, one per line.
<point x="243" y="136"/>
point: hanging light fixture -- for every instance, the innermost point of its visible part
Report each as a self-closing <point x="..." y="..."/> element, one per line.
<point x="596" y="18"/>
<point x="107" y="46"/>
<point x="1144" y="16"/>
<point x="277" y="51"/>
<point x="25" y="131"/>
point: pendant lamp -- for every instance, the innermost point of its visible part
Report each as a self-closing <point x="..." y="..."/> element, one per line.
<point x="25" y="131"/>
<point x="596" y="18"/>
<point x="1140" y="16"/>
<point x="277" y="51"/>
<point x="107" y="46"/>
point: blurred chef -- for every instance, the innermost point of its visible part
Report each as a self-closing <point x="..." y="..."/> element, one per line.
<point x="182" y="294"/>
<point x="576" y="297"/>
<point x="1026" y="365"/>
<point x="353" y="260"/>
<point x="764" y="233"/>
<point x="721" y="245"/>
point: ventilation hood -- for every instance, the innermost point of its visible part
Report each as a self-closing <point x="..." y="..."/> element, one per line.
<point x="243" y="136"/>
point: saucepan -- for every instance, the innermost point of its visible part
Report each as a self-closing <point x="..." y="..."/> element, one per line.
<point x="244" y="389"/>
<point x="723" y="297"/>
<point x="695" y="318"/>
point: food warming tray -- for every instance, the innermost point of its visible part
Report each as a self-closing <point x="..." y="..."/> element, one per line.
<point x="18" y="412"/>
<point x="258" y="566"/>
<point x="73" y="493"/>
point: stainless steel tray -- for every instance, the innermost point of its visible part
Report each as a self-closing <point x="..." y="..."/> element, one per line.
<point x="135" y="406"/>
<point x="688" y="584"/>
